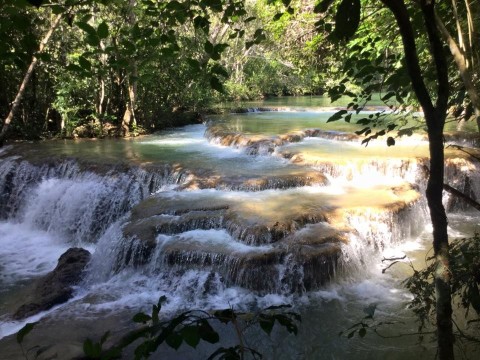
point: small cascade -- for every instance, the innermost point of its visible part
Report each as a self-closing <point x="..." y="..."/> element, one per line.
<point x="463" y="175"/>
<point x="244" y="215"/>
<point x="230" y="234"/>
<point x="21" y="180"/>
<point x="376" y="171"/>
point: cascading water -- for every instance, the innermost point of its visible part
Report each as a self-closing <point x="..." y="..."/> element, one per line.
<point x="250" y="215"/>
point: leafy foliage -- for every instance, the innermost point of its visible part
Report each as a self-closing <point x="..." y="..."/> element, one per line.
<point x="465" y="283"/>
<point x="191" y="327"/>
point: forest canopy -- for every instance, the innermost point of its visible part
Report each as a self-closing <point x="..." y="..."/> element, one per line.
<point x="117" y="67"/>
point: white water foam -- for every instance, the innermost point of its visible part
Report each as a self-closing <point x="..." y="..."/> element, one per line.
<point x="27" y="252"/>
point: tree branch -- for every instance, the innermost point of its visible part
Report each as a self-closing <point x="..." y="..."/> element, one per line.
<point x="462" y="196"/>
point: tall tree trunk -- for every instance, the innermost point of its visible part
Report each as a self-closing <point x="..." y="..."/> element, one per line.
<point x="435" y="118"/>
<point x="26" y="79"/>
<point x="129" y="115"/>
<point x="466" y="74"/>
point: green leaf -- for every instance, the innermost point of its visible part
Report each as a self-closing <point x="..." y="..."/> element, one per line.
<point x="88" y="347"/>
<point x="225" y="316"/>
<point x="92" y="350"/>
<point x="215" y="5"/>
<point x="194" y="64"/>
<point x="216" y="84"/>
<point x="129" y="47"/>
<point x="75" y="68"/>
<point x="266" y="323"/>
<point x="347" y="19"/>
<point x="388" y="95"/>
<point x="207" y="333"/>
<point x="92" y="40"/>
<point x="360" y="132"/>
<point x="287" y="323"/>
<point x="259" y="36"/>
<point x="277" y="16"/>
<point x="102" y="30"/>
<point x="44" y="57"/>
<point x="87" y="28"/>
<point x="175" y="5"/>
<point x="219" y="70"/>
<point x="57" y="9"/>
<point x="104" y="337"/>
<point x="208" y="46"/>
<point x="473" y="296"/>
<point x="190" y="335"/>
<point x="337" y="116"/>
<point x="174" y="340"/>
<point x="84" y="63"/>
<point x="141" y="318"/>
<point x="202" y="23"/>
<point x="219" y="48"/>
<point x="155" y="312"/>
<point x="24" y="331"/>
<point x="36" y="3"/>
<point x="322" y="6"/>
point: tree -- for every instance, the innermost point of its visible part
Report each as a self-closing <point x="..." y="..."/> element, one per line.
<point x="465" y="52"/>
<point x="347" y="20"/>
<point x="119" y="62"/>
<point x="28" y="74"/>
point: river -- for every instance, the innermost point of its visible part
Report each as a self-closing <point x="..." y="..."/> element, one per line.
<point x="245" y="211"/>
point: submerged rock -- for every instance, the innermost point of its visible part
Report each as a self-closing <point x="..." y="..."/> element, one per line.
<point x="56" y="287"/>
<point x="280" y="241"/>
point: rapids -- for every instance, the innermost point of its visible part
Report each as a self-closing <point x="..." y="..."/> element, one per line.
<point x="245" y="211"/>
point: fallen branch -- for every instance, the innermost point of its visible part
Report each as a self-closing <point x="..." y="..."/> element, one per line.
<point x="394" y="258"/>
<point x="462" y="196"/>
<point x="462" y="149"/>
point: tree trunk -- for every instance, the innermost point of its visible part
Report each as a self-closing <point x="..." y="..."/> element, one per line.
<point x="435" y="118"/>
<point x="26" y="79"/>
<point x="129" y="115"/>
<point x="465" y="72"/>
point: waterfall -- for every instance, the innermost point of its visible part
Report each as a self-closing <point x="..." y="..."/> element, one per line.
<point x="285" y="222"/>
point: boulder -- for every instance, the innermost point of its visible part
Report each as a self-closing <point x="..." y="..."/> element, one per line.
<point x="56" y="287"/>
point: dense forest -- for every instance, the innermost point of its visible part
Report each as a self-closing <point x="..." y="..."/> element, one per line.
<point x="98" y="68"/>
<point x="125" y="64"/>
<point x="92" y="68"/>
